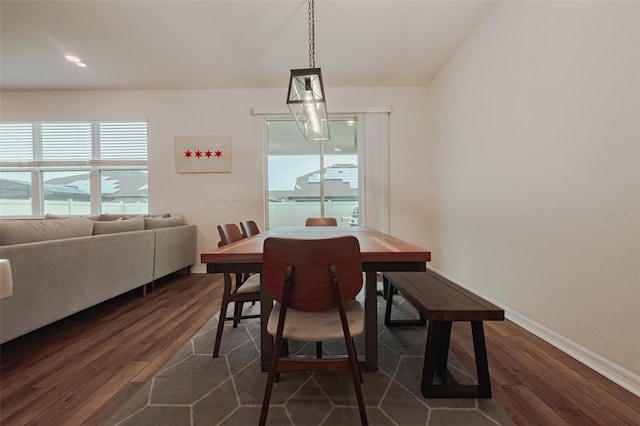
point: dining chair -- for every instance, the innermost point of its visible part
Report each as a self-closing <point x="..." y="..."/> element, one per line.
<point x="314" y="284"/>
<point x="249" y="228"/>
<point x="321" y="221"/>
<point x="243" y="288"/>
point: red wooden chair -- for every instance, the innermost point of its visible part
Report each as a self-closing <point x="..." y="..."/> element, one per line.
<point x="249" y="228"/>
<point x="244" y="288"/>
<point x="314" y="284"/>
<point x="321" y="221"/>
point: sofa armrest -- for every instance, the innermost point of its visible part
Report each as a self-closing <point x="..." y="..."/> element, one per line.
<point x="175" y="249"/>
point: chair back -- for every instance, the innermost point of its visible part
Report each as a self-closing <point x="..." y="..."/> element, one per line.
<point x="229" y="233"/>
<point x="310" y="261"/>
<point x="249" y="228"/>
<point x="321" y="221"/>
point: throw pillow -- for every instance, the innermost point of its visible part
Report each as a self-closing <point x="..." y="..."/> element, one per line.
<point x="163" y="222"/>
<point x="20" y="231"/>
<point x="115" y="226"/>
<point x="67" y="216"/>
<point x="110" y="216"/>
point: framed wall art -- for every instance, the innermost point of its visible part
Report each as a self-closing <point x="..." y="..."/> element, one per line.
<point x="203" y="154"/>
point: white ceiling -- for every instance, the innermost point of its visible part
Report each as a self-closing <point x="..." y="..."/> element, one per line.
<point x="227" y="44"/>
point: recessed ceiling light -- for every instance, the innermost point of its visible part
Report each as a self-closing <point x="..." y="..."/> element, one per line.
<point x="75" y="60"/>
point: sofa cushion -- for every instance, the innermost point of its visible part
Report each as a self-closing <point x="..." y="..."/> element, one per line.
<point x="163" y="222"/>
<point x="18" y="231"/>
<point x="122" y="225"/>
<point x="68" y="216"/>
<point x="111" y="216"/>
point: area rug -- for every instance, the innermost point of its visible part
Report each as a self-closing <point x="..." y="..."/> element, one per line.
<point x="195" y="389"/>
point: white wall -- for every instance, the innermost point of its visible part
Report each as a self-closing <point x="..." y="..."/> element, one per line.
<point x="534" y="171"/>
<point x="211" y="112"/>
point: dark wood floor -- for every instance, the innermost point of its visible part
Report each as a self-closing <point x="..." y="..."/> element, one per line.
<point x="80" y="370"/>
<point x="537" y="384"/>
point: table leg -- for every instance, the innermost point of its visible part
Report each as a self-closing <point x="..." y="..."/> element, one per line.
<point x="370" y="322"/>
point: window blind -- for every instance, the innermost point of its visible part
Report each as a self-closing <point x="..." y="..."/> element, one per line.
<point x="66" y="141"/>
<point x="123" y="140"/>
<point x="16" y="142"/>
<point x="73" y="141"/>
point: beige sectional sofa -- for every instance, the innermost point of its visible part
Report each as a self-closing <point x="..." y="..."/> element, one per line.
<point x="62" y="266"/>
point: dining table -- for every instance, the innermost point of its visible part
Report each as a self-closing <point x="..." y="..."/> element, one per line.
<point x="380" y="252"/>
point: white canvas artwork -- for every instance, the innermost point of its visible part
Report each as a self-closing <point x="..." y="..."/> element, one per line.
<point x="203" y="154"/>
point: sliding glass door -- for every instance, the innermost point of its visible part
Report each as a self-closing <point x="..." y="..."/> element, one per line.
<point x="312" y="178"/>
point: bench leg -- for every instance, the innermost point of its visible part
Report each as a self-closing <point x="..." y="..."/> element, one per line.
<point x="442" y="339"/>
<point x="435" y="362"/>
<point x="390" y="290"/>
<point x="482" y="364"/>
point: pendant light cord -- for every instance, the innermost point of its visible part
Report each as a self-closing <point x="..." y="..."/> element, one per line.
<point x="312" y="35"/>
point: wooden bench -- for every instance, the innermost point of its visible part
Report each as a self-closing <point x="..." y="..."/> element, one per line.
<point x="440" y="302"/>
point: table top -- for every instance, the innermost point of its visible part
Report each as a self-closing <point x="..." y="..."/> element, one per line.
<point x="375" y="246"/>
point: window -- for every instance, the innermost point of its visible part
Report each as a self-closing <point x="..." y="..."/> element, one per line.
<point x="73" y="168"/>
<point x="312" y="178"/>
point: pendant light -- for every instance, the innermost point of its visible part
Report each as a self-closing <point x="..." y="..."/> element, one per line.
<point x="305" y="97"/>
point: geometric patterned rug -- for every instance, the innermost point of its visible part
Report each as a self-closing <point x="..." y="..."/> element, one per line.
<point x="195" y="389"/>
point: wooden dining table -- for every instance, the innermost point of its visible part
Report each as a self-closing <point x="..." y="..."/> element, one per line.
<point x="380" y="253"/>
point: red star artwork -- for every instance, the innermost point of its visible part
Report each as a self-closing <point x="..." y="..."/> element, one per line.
<point x="199" y="154"/>
<point x="203" y="154"/>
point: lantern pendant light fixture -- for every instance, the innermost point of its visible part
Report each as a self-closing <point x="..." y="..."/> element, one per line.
<point x="305" y="97"/>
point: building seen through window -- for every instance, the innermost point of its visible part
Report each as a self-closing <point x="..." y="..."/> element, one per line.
<point x="311" y="178"/>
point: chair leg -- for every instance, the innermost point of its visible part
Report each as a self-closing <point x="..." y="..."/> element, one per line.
<point x="357" y="362"/>
<point x="267" y="393"/>
<point x="237" y="313"/>
<point x="356" y="376"/>
<point x="273" y="373"/>
<point x="319" y="350"/>
<point x="284" y="352"/>
<point x="223" y="314"/>
<point x="385" y="287"/>
<point x="221" y="321"/>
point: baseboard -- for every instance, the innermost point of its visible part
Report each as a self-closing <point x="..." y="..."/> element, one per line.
<point x="199" y="269"/>
<point x="613" y="372"/>
<point x="608" y="369"/>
